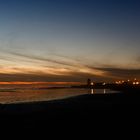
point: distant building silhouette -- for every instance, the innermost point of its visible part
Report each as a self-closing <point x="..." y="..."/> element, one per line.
<point x="89" y="82"/>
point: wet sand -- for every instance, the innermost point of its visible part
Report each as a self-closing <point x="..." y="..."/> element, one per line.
<point x="81" y="108"/>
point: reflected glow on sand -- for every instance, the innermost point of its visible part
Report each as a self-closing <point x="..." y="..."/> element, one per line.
<point x="30" y="93"/>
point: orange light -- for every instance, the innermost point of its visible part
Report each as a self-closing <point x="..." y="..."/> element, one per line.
<point x="36" y="83"/>
<point x="119" y="82"/>
<point x="92" y="84"/>
<point x="137" y="83"/>
<point x="134" y="83"/>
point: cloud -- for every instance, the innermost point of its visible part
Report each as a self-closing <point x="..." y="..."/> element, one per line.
<point x="59" y="64"/>
<point x="35" y="77"/>
<point x="58" y="68"/>
<point x="42" y="58"/>
<point x="138" y="59"/>
<point x="121" y="73"/>
<point x="52" y="74"/>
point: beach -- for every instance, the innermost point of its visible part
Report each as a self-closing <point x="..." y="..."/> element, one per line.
<point x="85" y="108"/>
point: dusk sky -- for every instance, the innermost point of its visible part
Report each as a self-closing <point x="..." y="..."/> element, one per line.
<point x="69" y="40"/>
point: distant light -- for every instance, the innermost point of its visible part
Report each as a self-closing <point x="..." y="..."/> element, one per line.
<point x="122" y="81"/>
<point x="128" y="80"/>
<point x="134" y="83"/>
<point x="104" y="84"/>
<point x="92" y="84"/>
<point x="135" y="79"/>
<point x="119" y="82"/>
<point x="137" y="83"/>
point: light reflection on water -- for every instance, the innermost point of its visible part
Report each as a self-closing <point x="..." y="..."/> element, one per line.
<point x="101" y="91"/>
<point x="31" y="95"/>
<point x="104" y="91"/>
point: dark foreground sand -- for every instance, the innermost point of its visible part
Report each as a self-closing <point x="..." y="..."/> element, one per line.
<point x="81" y="108"/>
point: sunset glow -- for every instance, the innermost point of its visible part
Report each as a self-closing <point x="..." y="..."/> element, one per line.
<point x="42" y="41"/>
<point x="40" y="83"/>
<point x="69" y="62"/>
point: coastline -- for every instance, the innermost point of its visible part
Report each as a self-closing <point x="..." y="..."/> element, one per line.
<point x="91" y="101"/>
<point x="82" y="108"/>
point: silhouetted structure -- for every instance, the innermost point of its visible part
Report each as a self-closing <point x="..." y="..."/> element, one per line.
<point x="89" y="82"/>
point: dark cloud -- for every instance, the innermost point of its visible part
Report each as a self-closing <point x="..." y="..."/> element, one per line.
<point x="111" y="74"/>
<point x="40" y="77"/>
<point x="121" y="73"/>
<point x="138" y="59"/>
<point x="42" y="58"/>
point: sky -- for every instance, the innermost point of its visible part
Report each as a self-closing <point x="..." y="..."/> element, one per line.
<point x="69" y="40"/>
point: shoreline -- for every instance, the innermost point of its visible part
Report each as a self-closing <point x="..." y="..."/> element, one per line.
<point x="48" y="95"/>
<point x="83" y="109"/>
<point x="61" y="98"/>
<point x="113" y="98"/>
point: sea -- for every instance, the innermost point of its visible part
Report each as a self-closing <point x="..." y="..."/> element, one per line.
<point x="11" y="94"/>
